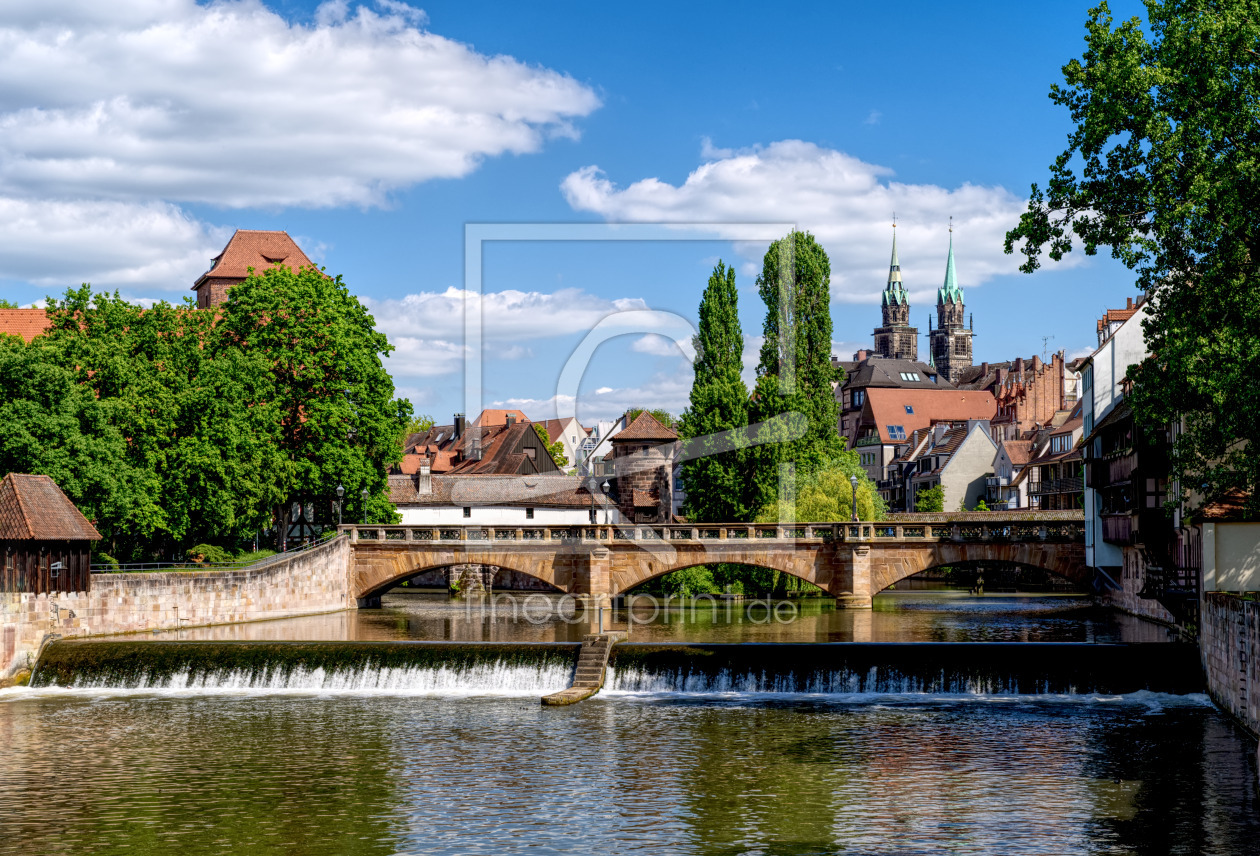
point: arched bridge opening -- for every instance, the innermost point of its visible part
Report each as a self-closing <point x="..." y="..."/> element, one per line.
<point x="725" y="578"/>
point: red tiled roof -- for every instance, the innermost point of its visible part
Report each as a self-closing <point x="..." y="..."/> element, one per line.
<point x="1019" y="451"/>
<point x="27" y="323"/>
<point x="33" y="508"/>
<point x="887" y="406"/>
<point x="249" y="248"/>
<point x="496" y="418"/>
<point x="542" y="491"/>
<point x="1115" y="315"/>
<point x="644" y="498"/>
<point x="645" y="427"/>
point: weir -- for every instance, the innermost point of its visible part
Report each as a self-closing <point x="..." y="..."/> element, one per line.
<point x="458" y="668"/>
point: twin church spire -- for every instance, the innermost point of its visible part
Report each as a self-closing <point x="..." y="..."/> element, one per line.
<point x="949" y="340"/>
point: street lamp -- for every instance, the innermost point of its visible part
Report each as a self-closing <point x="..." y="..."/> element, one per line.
<point x="604" y="487"/>
<point x="853" y="480"/>
<point x="365" y="496"/>
<point x="341" y="491"/>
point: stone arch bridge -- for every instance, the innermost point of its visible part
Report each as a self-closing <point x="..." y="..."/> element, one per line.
<point x="850" y="561"/>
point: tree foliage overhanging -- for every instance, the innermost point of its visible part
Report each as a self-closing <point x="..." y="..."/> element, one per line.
<point x="173" y="426"/>
<point x="1163" y="167"/>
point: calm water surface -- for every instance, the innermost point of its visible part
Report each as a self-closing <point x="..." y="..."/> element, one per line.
<point x="914" y="616"/>
<point x="360" y="774"/>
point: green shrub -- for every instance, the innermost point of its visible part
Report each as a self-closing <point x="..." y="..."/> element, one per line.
<point x="208" y="554"/>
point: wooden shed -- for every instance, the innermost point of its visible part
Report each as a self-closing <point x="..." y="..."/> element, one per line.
<point x="45" y="542"/>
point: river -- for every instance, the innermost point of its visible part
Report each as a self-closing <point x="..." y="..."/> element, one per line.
<point x="314" y="766"/>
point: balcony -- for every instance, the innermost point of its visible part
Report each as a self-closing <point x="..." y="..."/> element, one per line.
<point x="1119" y="529"/>
<point x="1069" y="485"/>
<point x="869" y="440"/>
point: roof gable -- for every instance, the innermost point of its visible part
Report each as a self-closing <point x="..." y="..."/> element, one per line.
<point x="33" y="508"/>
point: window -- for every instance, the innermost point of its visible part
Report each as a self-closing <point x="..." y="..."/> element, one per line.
<point x="467" y="511"/>
<point x="960" y="346"/>
<point x="859" y="397"/>
<point x="910" y="376"/>
<point x="909" y="409"/>
<point x="529" y="514"/>
<point x="896" y="432"/>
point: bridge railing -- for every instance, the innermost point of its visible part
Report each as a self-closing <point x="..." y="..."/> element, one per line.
<point x="975" y="527"/>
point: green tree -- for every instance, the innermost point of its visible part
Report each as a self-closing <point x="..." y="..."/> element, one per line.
<point x="826" y="496"/>
<point x="338" y="421"/>
<point x="4" y="304"/>
<point x="55" y="426"/>
<point x="715" y="475"/>
<point x="662" y="416"/>
<point x="1163" y="167"/>
<point x="795" y="373"/>
<point x="202" y="429"/>
<point x="418" y="425"/>
<point x="555" y="450"/>
<point x="930" y="499"/>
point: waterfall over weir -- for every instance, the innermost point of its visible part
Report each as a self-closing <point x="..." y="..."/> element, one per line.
<point x="480" y="668"/>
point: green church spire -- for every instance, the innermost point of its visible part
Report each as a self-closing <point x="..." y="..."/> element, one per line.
<point x="894" y="291"/>
<point x="950" y="292"/>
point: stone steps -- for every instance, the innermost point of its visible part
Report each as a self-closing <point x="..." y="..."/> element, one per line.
<point x="588" y="676"/>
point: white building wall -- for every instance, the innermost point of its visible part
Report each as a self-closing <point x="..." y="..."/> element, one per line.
<point x="1101" y="393"/>
<point x="963" y="476"/>
<point x="503" y="515"/>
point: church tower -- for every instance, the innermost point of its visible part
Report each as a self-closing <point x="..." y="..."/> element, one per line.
<point x="951" y="339"/>
<point x="896" y="339"/>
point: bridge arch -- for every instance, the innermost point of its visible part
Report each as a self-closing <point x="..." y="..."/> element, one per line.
<point x="376" y="570"/>
<point x="898" y="562"/>
<point x="670" y="570"/>
<point x="631" y="569"/>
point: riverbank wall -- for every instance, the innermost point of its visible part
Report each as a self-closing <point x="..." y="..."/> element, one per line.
<point x="1229" y="642"/>
<point x="312" y="581"/>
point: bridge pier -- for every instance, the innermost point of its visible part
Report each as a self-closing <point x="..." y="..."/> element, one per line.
<point x="858" y="559"/>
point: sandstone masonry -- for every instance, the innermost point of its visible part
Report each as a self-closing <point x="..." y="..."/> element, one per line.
<point x="309" y="582"/>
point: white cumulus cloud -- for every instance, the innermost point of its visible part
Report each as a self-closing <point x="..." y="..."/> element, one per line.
<point x="847" y="203"/>
<point x="155" y="103"/>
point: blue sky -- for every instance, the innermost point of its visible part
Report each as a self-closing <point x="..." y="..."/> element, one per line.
<point x="139" y="133"/>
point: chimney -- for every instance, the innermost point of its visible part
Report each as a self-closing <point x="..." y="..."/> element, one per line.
<point x="1128" y="303"/>
<point x="1036" y="363"/>
<point x="984" y="370"/>
<point x="510" y="419"/>
<point x="938" y="432"/>
<point x="1019" y="365"/>
<point x="424" y="485"/>
<point x="459" y="426"/>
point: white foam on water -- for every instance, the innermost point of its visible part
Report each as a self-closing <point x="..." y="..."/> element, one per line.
<point x="490" y="679"/>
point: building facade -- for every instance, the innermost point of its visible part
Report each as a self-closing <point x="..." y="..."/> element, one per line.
<point x="45" y="542"/>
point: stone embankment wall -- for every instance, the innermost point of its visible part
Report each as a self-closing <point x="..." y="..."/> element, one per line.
<point x="316" y="580"/>
<point x="1229" y="639"/>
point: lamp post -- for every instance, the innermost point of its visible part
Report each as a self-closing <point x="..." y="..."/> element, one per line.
<point x="341" y="491"/>
<point x="604" y="487"/>
<point x="853" y="480"/>
<point x="365" y="497"/>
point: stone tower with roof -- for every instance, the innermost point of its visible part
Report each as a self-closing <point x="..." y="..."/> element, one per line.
<point x="643" y="455"/>
<point x="896" y="339"/>
<point x="247" y="249"/>
<point x="951" y="338"/>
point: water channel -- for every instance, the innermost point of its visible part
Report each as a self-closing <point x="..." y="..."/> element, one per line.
<point x="400" y="752"/>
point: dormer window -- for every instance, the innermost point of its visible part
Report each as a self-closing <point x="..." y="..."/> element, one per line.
<point x="273" y="259"/>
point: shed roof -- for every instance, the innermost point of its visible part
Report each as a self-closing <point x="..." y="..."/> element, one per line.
<point x="540" y="491"/>
<point x="33" y="508"/>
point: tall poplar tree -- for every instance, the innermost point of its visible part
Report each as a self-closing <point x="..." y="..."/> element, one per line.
<point x="795" y="374"/>
<point x="714" y="474"/>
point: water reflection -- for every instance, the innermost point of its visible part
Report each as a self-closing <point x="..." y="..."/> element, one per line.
<point x="917" y="616"/>
<point x="259" y="774"/>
